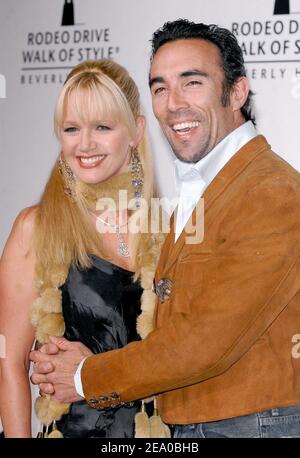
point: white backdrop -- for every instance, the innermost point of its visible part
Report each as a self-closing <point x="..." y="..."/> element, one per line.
<point x="36" y="52"/>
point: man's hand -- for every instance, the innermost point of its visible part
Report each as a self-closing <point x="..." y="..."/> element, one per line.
<point x="55" y="367"/>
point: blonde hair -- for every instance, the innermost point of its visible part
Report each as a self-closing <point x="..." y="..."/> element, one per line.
<point x="64" y="233"/>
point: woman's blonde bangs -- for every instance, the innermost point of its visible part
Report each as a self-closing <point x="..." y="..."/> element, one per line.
<point x="97" y="98"/>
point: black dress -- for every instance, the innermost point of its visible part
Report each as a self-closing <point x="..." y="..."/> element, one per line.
<point x="100" y="307"/>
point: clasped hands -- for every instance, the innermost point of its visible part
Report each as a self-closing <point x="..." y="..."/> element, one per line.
<point x="55" y="364"/>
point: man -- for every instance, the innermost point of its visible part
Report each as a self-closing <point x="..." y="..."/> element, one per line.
<point x="220" y="357"/>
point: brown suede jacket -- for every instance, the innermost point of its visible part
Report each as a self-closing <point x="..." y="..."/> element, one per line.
<point x="222" y="344"/>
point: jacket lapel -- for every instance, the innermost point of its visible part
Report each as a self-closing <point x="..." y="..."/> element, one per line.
<point x="237" y="164"/>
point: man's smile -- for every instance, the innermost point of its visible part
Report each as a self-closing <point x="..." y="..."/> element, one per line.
<point x="185" y="126"/>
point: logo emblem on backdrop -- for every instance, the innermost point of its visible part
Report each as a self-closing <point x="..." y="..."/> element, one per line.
<point x="68" y="13"/>
<point x="284" y="7"/>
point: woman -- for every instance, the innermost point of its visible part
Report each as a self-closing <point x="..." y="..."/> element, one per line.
<point x="67" y="268"/>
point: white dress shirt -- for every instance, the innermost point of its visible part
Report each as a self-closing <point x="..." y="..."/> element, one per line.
<point x="191" y="181"/>
<point x="77" y="379"/>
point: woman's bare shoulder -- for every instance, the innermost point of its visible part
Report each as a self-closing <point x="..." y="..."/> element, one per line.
<point x="21" y="235"/>
<point x="26" y="217"/>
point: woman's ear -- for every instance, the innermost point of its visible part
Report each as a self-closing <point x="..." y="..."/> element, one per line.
<point x="239" y="93"/>
<point x="140" y="129"/>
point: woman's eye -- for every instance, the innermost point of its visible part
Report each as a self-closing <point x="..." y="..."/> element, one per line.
<point x="70" y="130"/>
<point x="101" y="127"/>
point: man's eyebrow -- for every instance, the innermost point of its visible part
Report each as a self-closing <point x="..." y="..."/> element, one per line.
<point x="194" y="72"/>
<point x="157" y="79"/>
<point x="185" y="74"/>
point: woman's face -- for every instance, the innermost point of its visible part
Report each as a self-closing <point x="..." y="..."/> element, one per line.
<point x="95" y="149"/>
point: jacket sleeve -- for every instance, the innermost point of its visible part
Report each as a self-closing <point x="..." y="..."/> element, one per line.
<point x="246" y="282"/>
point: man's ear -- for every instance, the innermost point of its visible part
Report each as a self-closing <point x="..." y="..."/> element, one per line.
<point x="239" y="93"/>
<point x="140" y="129"/>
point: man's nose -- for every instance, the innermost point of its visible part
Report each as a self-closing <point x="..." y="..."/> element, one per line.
<point x="86" y="141"/>
<point x="177" y="100"/>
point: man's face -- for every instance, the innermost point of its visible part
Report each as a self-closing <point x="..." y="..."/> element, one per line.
<point x="186" y="80"/>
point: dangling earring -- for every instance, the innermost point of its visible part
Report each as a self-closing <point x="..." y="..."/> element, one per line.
<point x="68" y="177"/>
<point x="137" y="177"/>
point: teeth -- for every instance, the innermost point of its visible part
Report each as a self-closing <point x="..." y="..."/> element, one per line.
<point x="186" y="125"/>
<point x="91" y="160"/>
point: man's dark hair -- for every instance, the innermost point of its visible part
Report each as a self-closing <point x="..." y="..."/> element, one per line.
<point x="231" y="53"/>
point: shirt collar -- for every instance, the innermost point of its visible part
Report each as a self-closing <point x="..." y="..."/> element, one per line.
<point x="208" y="167"/>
